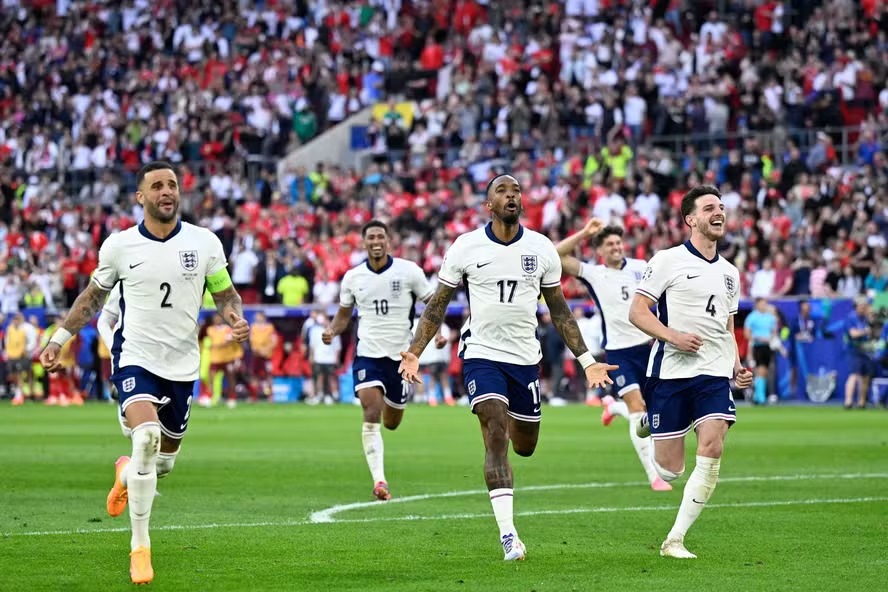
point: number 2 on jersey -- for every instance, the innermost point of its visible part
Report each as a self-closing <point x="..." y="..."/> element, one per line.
<point x="512" y="284"/>
<point x="166" y="288"/>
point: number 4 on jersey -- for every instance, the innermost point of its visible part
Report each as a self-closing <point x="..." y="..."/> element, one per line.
<point x="710" y="307"/>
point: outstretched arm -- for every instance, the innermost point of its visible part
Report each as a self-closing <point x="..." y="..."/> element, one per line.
<point x="431" y="319"/>
<point x="566" y="325"/>
<point x="428" y="328"/>
<point x="570" y="264"/>
<point x="339" y="325"/>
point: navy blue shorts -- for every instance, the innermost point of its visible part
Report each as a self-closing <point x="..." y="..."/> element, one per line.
<point x="633" y="362"/>
<point x="173" y="398"/>
<point x="862" y="365"/>
<point x="676" y="405"/>
<point x="516" y="385"/>
<point x="383" y="373"/>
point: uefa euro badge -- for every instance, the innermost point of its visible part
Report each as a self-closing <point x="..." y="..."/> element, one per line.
<point x="730" y="286"/>
<point x="188" y="259"/>
<point x="396" y="286"/>
<point x="648" y="272"/>
<point x="655" y="420"/>
<point x="529" y="263"/>
<point x="362" y="374"/>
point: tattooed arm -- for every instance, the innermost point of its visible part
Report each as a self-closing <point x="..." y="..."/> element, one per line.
<point x="90" y="301"/>
<point x="566" y="324"/>
<point x="229" y="302"/>
<point x="564" y="321"/>
<point x="230" y="306"/>
<point x="431" y="319"/>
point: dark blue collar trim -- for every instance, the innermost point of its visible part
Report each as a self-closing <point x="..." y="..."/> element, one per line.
<point x="697" y="253"/>
<point x="388" y="264"/>
<point x="489" y="231"/>
<point x="147" y="234"/>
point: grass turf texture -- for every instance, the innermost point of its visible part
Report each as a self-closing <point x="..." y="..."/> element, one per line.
<point x="278" y="464"/>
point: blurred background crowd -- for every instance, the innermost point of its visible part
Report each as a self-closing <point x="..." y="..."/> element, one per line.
<point x="606" y="108"/>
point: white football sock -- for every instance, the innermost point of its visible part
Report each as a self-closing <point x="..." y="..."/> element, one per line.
<point x="697" y="492"/>
<point x="501" y="499"/>
<point x="373" y="450"/>
<point x="141" y="480"/>
<point x="642" y="446"/>
<point x="619" y="408"/>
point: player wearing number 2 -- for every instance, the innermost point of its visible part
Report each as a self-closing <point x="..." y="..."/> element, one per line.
<point x="385" y="290"/>
<point x="697" y="294"/>
<point x="504" y="267"/>
<point x="160" y="268"/>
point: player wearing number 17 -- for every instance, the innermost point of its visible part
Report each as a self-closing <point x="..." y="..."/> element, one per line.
<point x="504" y="268"/>
<point x="160" y="267"/>
<point x="690" y="367"/>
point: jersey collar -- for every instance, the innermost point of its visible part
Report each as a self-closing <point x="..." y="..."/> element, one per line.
<point x="388" y="264"/>
<point x="488" y="230"/>
<point x="144" y="232"/>
<point x="697" y="253"/>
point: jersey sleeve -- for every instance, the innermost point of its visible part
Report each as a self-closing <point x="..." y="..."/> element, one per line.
<point x="656" y="277"/>
<point x="453" y="266"/>
<point x="587" y="272"/>
<point x="217" y="255"/>
<point x="419" y="284"/>
<point x="107" y="273"/>
<point x="735" y="296"/>
<point x="112" y="305"/>
<point x="346" y="293"/>
<point x="552" y="274"/>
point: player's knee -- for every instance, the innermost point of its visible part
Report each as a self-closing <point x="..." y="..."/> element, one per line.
<point x="711" y="449"/>
<point x="165" y="463"/>
<point x="524" y="448"/>
<point x="146" y="444"/>
<point x="670" y="472"/>
<point x="391" y="424"/>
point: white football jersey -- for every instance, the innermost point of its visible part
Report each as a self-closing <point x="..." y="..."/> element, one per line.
<point x="503" y="282"/>
<point x="386" y="302"/>
<point x="694" y="295"/>
<point x="613" y="290"/>
<point x="160" y="292"/>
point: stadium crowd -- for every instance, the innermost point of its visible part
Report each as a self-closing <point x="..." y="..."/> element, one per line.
<point x="601" y="108"/>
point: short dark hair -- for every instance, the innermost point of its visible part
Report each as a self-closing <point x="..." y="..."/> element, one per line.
<point x="606" y="232"/>
<point x="154" y="165"/>
<point x="689" y="201"/>
<point x="374" y="224"/>
<point x="494" y="180"/>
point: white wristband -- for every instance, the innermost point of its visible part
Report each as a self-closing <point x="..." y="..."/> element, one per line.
<point x="61" y="336"/>
<point x="586" y="360"/>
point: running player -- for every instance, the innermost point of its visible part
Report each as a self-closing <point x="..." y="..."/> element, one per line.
<point x="505" y="267"/>
<point x="384" y="289"/>
<point x="690" y="368"/>
<point x="611" y="286"/>
<point x="160" y="267"/>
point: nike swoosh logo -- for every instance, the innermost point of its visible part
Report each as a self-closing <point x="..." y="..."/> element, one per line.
<point x="691" y="277"/>
<point x="480" y="265"/>
<point x="136" y="265"/>
<point x="141" y="474"/>
<point x="731" y="409"/>
<point x="536" y="409"/>
<point x="182" y="427"/>
<point x="696" y="502"/>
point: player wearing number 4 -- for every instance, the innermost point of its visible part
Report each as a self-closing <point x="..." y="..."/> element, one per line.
<point x="385" y="290"/>
<point x="504" y="268"/>
<point x="159" y="269"/>
<point x="690" y="367"/>
<point x="611" y="286"/>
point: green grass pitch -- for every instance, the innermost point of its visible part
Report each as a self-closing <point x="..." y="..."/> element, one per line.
<point x="802" y="505"/>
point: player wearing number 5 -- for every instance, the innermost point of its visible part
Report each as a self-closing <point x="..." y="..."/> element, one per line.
<point x="504" y="267"/>
<point x="385" y="290"/>
<point x="697" y="294"/>
<point x="160" y="267"/>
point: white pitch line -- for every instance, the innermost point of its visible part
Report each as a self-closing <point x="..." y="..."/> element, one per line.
<point x="328" y="514"/>
<point x="486" y="515"/>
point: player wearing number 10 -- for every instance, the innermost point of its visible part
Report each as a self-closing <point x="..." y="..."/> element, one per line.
<point x="385" y="290"/>
<point x="697" y="294"/>
<point x="160" y="268"/>
<point x="504" y="267"/>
